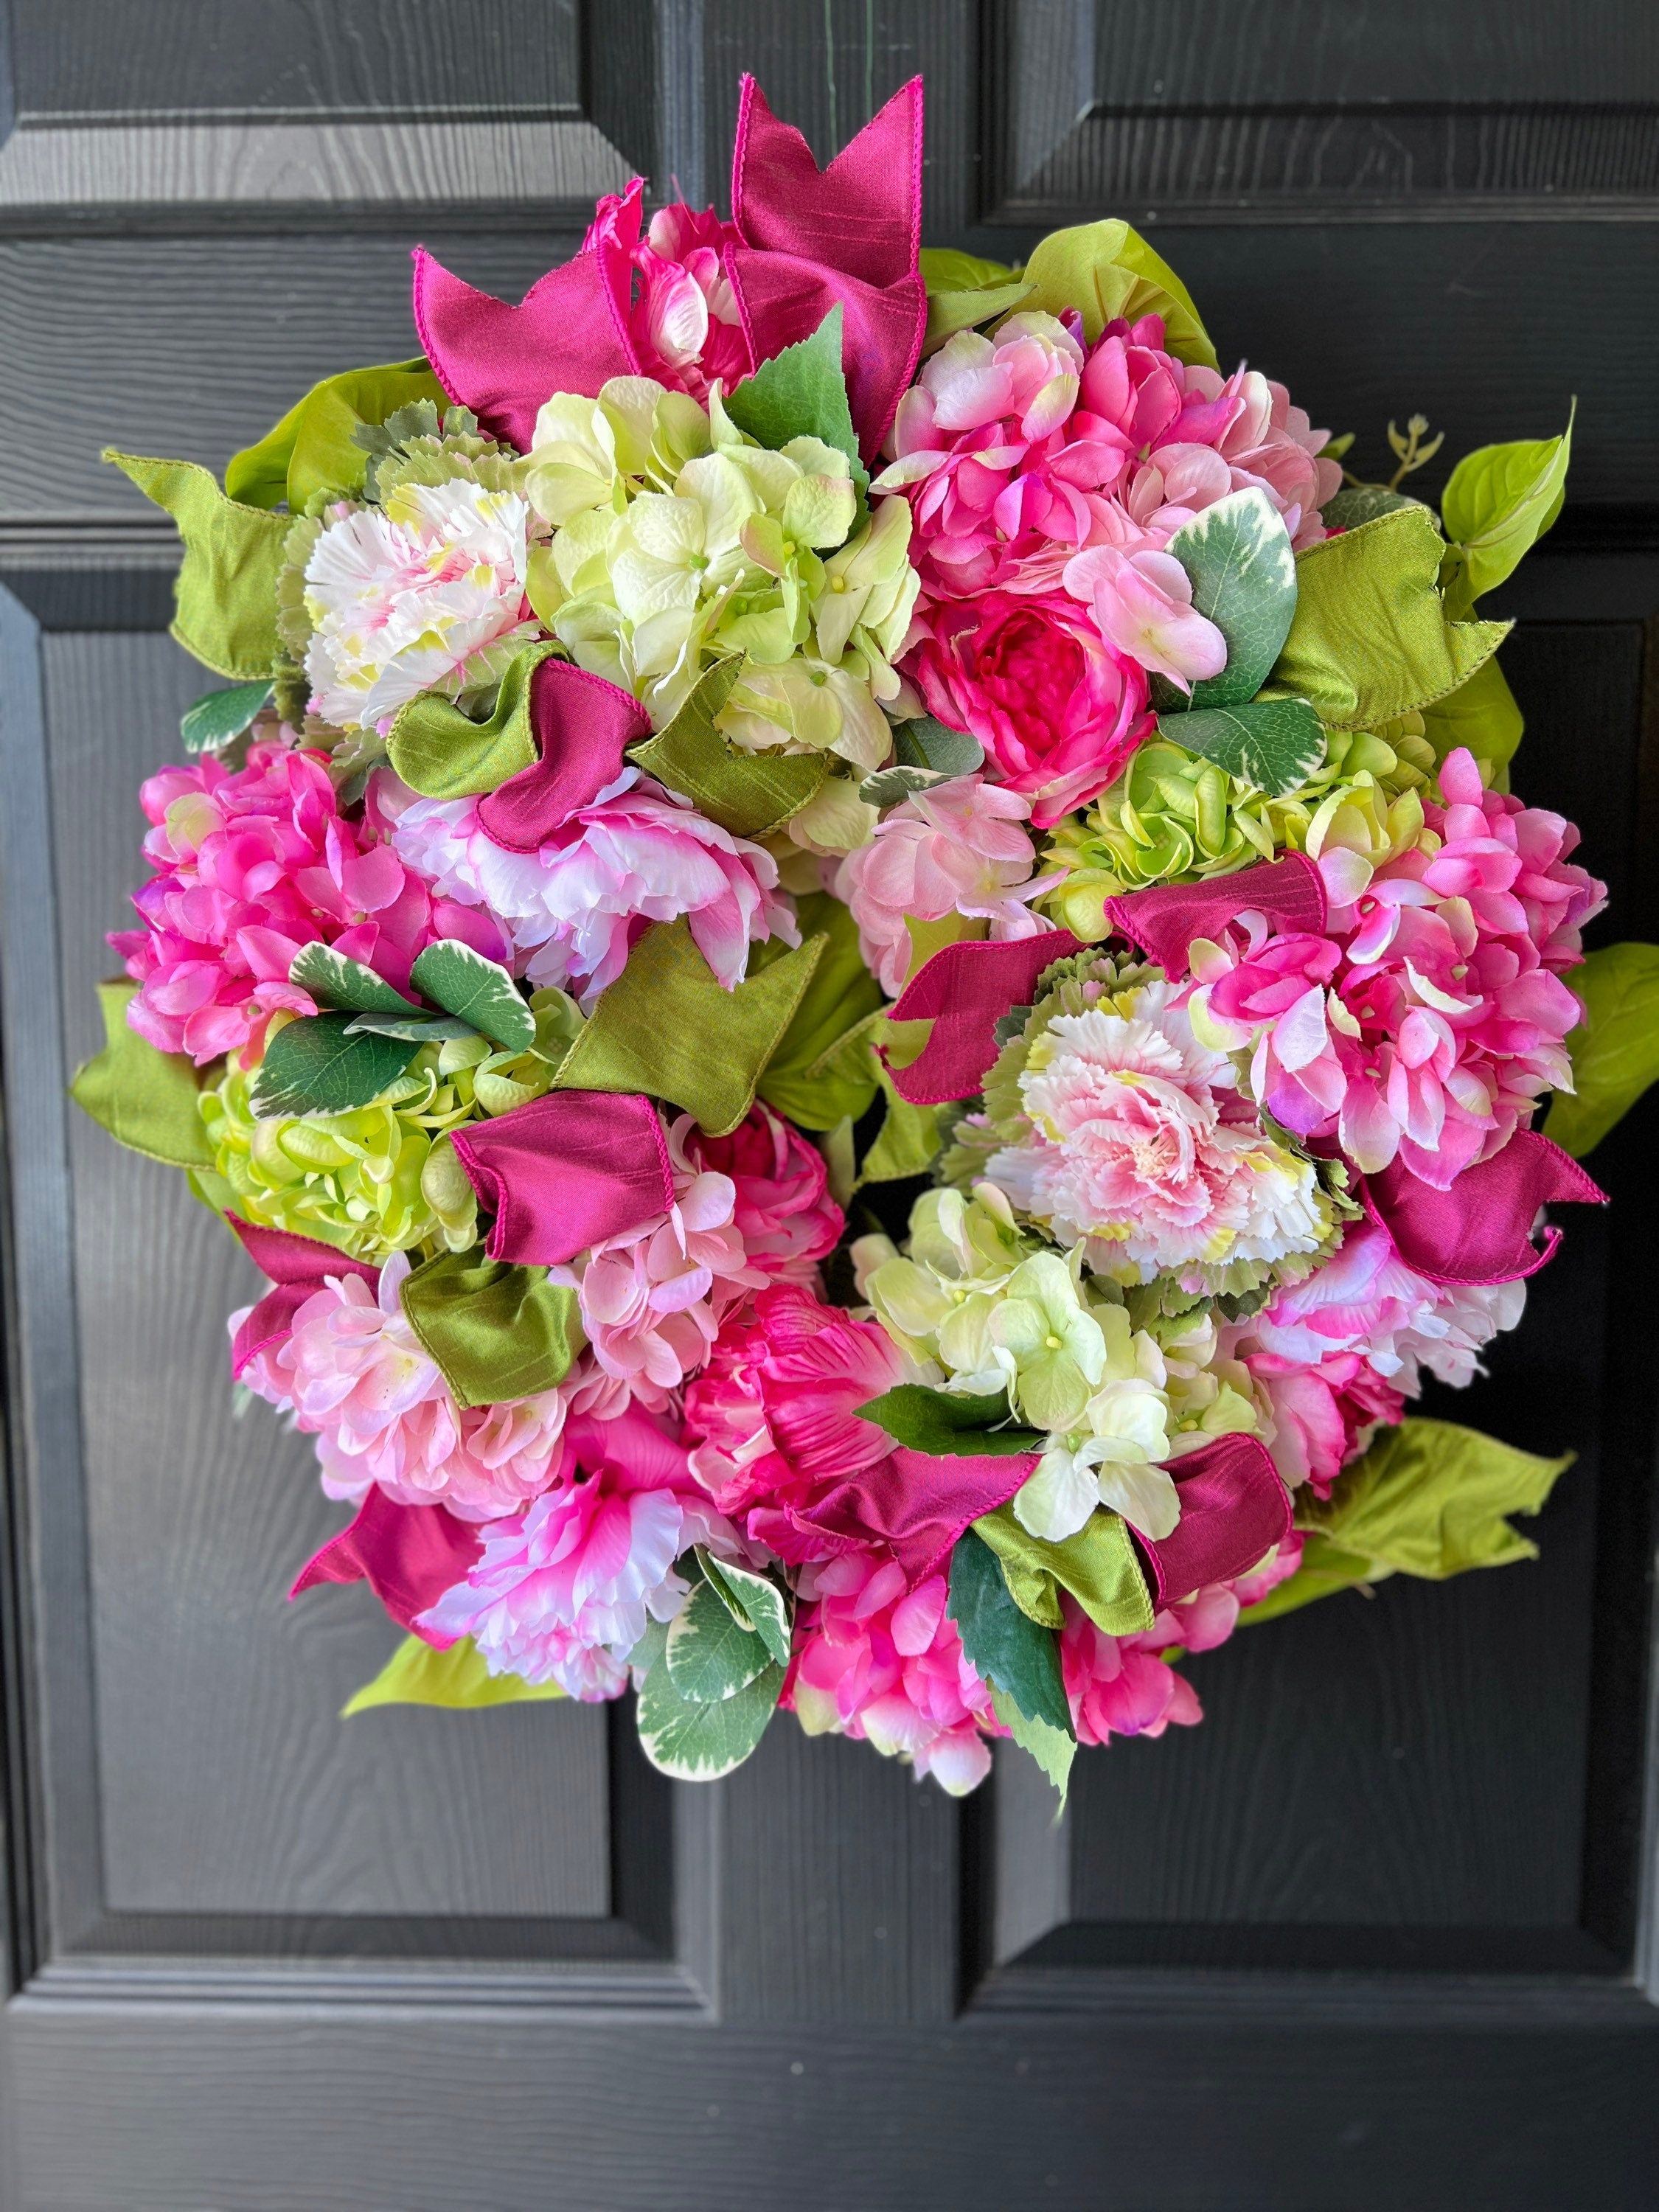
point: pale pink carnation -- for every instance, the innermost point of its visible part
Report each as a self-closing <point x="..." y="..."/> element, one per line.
<point x="682" y="314"/>
<point x="782" y="1208"/>
<point x="355" y="1375"/>
<point x="960" y="847"/>
<point x="637" y="855"/>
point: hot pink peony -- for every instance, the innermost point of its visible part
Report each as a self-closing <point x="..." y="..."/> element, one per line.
<point x="960" y="847"/>
<point x="355" y="1375"/>
<point x="637" y="855"/>
<point x="563" y="1590"/>
<point x="877" y="1660"/>
<point x="254" y="863"/>
<point x="782" y="1208"/>
<point x="1429" y="1018"/>
<point x="684" y="318"/>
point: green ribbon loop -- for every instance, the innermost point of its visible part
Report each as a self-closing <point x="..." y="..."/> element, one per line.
<point x="225" y="598"/>
<point x="496" y="1332"/>
<point x="748" y="793"/>
<point x="1097" y="1566"/>
<point x="147" y="1100"/>
<point x="444" y="754"/>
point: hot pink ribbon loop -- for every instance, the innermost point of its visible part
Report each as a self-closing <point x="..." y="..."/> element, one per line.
<point x="567" y="1171"/>
<point x="1164" y="921"/>
<point x="967" y="989"/>
<point x="1234" y="1509"/>
<point x="568" y="333"/>
<point x="409" y="1555"/>
<point x="1479" y="1229"/>
<point x="296" y="1266"/>
<point x="582" y="727"/>
<point x="917" y="1503"/>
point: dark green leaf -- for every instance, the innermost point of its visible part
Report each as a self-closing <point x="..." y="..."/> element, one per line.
<point x="1275" y="745"/>
<point x="711" y="1655"/>
<point x="346" y="985"/>
<point x="941" y="1421"/>
<point x="311" y="1067"/>
<point x="801" y="392"/>
<point x="1356" y="503"/>
<point x="1237" y="554"/>
<point x="219" y="716"/>
<point x="926" y="743"/>
<point x="479" y="991"/>
<point x="1005" y="1648"/>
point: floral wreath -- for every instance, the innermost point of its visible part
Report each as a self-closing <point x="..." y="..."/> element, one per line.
<point x="853" y="944"/>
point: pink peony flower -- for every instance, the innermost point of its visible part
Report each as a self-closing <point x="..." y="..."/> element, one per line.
<point x="782" y="1210"/>
<point x="1431" y="1016"/>
<point x="355" y="1375"/>
<point x="876" y="1660"/>
<point x="637" y="855"/>
<point x="957" y="848"/>
<point x="1057" y="711"/>
<point x="1318" y="1416"/>
<point x="772" y="1420"/>
<point x="683" y="318"/>
<point x="253" y="863"/>
<point x="562" y="1589"/>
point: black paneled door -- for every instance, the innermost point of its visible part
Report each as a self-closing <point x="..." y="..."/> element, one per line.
<point x="1377" y="1935"/>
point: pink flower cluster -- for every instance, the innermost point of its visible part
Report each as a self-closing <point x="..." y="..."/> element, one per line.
<point x="683" y="315"/>
<point x="253" y="863"/>
<point x="1427" y="1020"/>
<point x="1044" y="479"/>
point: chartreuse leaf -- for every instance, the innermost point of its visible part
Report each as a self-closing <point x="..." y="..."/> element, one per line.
<point x="443" y="754"/>
<point x="313" y="450"/>
<point x="1004" y="1648"/>
<point x="147" y="1099"/>
<point x="1097" y="1566"/>
<point x="1053" y="1751"/>
<point x="695" y="1741"/>
<point x="417" y="1674"/>
<point x="841" y="994"/>
<point x="1497" y="503"/>
<point x="1615" y="1049"/>
<point x="711" y="1655"/>
<point x="748" y="793"/>
<point x="1237" y="555"/>
<point x="754" y="1600"/>
<point x="1275" y="744"/>
<point x="964" y="290"/>
<point x="346" y="985"/>
<point x="476" y="990"/>
<point x="1481" y="714"/>
<point x="225" y="598"/>
<point x="1105" y="269"/>
<point x="1369" y="638"/>
<point x="667" y="1028"/>
<point x="315" y="1064"/>
<point x="217" y="717"/>
<point x="495" y="1331"/>
<point x="944" y="1421"/>
<point x="801" y="392"/>
<point x="1326" y="1568"/>
<point x="1430" y="1499"/>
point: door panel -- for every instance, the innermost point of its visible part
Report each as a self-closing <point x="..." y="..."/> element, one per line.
<point x="1377" y="1933"/>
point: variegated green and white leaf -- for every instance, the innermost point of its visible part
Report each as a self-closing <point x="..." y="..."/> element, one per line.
<point x="1237" y="554"/>
<point x="711" y="1655"/>
<point x="756" y="1602"/>
<point x="335" y="980"/>
<point x="479" y="991"/>
<point x="698" y="1742"/>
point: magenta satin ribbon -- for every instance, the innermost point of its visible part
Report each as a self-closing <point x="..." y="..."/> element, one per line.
<point x="566" y="1171"/>
<point x="409" y="1555"/>
<point x="966" y="989"/>
<point x="581" y="725"/>
<point x="1234" y="1509"/>
<point x="915" y="1503"/>
<point x="1479" y="1229"/>
<point x="1165" y="920"/>
<point x="296" y="1266"/>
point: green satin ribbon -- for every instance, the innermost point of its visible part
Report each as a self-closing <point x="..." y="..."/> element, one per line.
<point x="225" y="598"/>
<point x="311" y="450"/>
<point x="443" y="754"/>
<point x="805" y="1079"/>
<point x="748" y="793"/>
<point x="1097" y="1566"/>
<point x="147" y="1100"/>
<point x="496" y="1332"/>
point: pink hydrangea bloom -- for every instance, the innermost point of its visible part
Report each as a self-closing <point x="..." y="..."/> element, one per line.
<point x="562" y="1589"/>
<point x="781" y="1210"/>
<point x="683" y="318"/>
<point x="960" y="847"/>
<point x="1143" y="606"/>
<point x="1322" y="1416"/>
<point x="253" y="863"/>
<point x="772" y="1421"/>
<point x="1431" y="1016"/>
<point x="877" y="1660"/>
<point x="355" y="1375"/>
<point x="637" y="855"/>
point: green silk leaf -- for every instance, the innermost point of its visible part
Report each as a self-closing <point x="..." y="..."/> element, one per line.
<point x="948" y="1422"/>
<point x="444" y="754"/>
<point x="1497" y="503"/>
<point x="1238" y="554"/>
<point x="748" y="793"/>
<point x="217" y="717"/>
<point x="1430" y="1499"/>
<point x="755" y="1602"/>
<point x="667" y="1028"/>
<point x="801" y="392"/>
<point x="1105" y="269"/>
<point x="695" y="1741"/>
<point x="1369" y="638"/>
<point x="710" y="1655"/>
<point x="314" y="1066"/>
<point x="926" y="742"/>
<point x="1004" y="1648"/>
<point x="476" y="990"/>
<point x="415" y="1674"/>
<point x="496" y="1331"/>
<point x="1356" y="503"/>
<point x="346" y="985"/>
<point x="1097" y="1566"/>
<point x="1053" y="1751"/>
<point x="841" y="994"/>
<point x="963" y="289"/>
<point x="1481" y="714"/>
<point x="1274" y="744"/>
<point x="225" y="598"/>
<point x="147" y="1099"/>
<point x="423" y="1029"/>
<point x="1325" y="1569"/>
<point x="1615" y="1049"/>
<point x="311" y="449"/>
